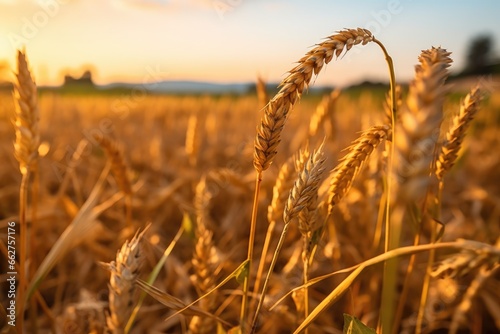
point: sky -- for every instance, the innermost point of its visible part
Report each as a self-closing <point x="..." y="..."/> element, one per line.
<point x="231" y="40"/>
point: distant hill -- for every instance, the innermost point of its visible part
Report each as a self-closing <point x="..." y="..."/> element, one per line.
<point x="188" y="87"/>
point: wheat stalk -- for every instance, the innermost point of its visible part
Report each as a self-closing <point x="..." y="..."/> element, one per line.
<point x="456" y="133"/>
<point x="303" y="192"/>
<point x="26" y="146"/>
<point x="415" y="144"/>
<point x="283" y="185"/>
<point x="276" y="112"/>
<point x="310" y="227"/>
<point x="124" y="272"/>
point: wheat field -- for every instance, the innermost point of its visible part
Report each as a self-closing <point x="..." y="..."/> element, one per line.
<point x="151" y="213"/>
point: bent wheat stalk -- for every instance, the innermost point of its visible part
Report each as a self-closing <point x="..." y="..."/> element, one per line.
<point x="275" y="115"/>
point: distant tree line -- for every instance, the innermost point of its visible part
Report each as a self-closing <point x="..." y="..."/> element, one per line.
<point x="480" y="58"/>
<point x="84" y="80"/>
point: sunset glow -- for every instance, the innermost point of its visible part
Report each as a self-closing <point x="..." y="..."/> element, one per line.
<point x="228" y="41"/>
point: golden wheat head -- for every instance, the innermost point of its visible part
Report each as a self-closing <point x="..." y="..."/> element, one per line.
<point x="420" y="122"/>
<point x="124" y="272"/>
<point x="26" y="116"/>
<point x="456" y="134"/>
<point x="291" y="88"/>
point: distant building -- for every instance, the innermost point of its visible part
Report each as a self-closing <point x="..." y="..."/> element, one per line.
<point x="84" y="80"/>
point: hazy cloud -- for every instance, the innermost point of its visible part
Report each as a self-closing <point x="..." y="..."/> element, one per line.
<point x="166" y="4"/>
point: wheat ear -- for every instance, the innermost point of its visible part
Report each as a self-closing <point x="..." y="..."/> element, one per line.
<point x="456" y="133"/>
<point x="292" y="87"/>
<point x="124" y="272"/>
<point x="284" y="183"/>
<point x="27" y="116"/>
<point x="349" y="166"/>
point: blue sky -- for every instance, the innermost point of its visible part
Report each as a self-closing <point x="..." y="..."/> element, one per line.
<point x="231" y="40"/>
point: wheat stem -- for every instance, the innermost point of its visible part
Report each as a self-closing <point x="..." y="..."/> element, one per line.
<point x="26" y="152"/>
<point x="305" y="260"/>
<point x="415" y="142"/>
<point x="251" y="241"/>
